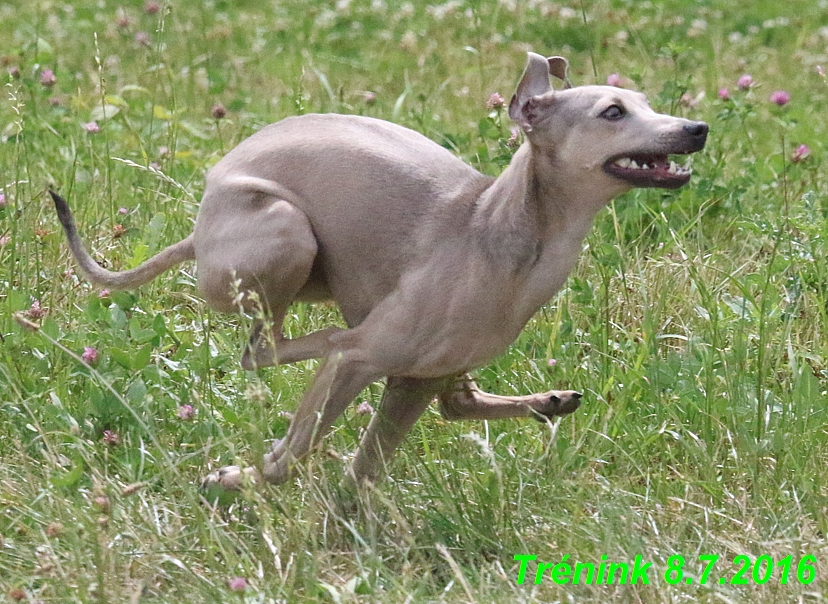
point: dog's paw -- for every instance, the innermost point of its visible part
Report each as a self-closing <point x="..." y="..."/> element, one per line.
<point x="229" y="479"/>
<point x="261" y="356"/>
<point x="259" y="353"/>
<point x="278" y="465"/>
<point x="558" y="402"/>
<point x="247" y="361"/>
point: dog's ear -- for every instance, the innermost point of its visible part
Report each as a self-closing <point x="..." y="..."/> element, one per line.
<point x="558" y="66"/>
<point x="534" y="82"/>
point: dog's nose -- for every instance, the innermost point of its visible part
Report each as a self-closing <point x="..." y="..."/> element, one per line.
<point x="696" y="129"/>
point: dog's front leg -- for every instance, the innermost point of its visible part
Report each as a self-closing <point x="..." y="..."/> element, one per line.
<point x="403" y="402"/>
<point x="338" y="381"/>
<point x="466" y="401"/>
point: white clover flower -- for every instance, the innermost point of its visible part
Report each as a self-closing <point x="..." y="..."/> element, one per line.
<point x="325" y="20"/>
<point x="567" y="13"/>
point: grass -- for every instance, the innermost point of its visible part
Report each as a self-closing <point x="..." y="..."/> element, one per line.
<point x="695" y="322"/>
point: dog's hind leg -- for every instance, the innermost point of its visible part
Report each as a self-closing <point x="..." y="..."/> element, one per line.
<point x="257" y="260"/>
<point x="403" y="402"/>
<point x="466" y="401"/>
<point x="269" y="347"/>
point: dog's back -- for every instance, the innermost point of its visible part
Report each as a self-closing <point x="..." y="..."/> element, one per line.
<point x="368" y="189"/>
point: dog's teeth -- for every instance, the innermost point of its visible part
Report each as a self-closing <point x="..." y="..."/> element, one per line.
<point x="633" y="165"/>
<point x="673" y="167"/>
<point x="624" y="162"/>
<point x="645" y="167"/>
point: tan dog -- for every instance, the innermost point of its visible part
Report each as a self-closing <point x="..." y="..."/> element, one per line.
<point x="436" y="268"/>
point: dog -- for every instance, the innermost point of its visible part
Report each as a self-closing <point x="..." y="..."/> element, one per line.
<point x="435" y="267"/>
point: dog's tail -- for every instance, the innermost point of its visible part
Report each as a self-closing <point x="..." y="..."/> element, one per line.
<point x="175" y="254"/>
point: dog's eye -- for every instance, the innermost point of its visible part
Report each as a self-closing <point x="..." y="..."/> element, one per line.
<point x="613" y="112"/>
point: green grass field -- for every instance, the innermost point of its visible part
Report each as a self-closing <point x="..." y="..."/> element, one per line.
<point x="695" y="322"/>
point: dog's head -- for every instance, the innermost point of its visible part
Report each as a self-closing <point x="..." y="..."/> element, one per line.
<point x="601" y="135"/>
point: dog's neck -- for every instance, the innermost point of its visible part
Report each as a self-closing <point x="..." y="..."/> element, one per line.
<point x="533" y="187"/>
<point x="533" y="203"/>
<point x="532" y="219"/>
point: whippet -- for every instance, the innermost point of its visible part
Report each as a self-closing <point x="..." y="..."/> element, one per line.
<point x="435" y="267"/>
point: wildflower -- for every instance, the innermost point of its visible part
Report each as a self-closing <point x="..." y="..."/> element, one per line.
<point x="110" y="438"/>
<point x="18" y="594"/>
<point x="551" y="362"/>
<point x="163" y="151"/>
<point x="4" y="241"/>
<point x="365" y="408"/>
<point x="325" y="20"/>
<point x="256" y="392"/>
<point x="780" y="97"/>
<point x="513" y="141"/>
<point x="2" y="200"/>
<point x="495" y="101"/>
<point x="151" y="7"/>
<point x="409" y="41"/>
<point x="802" y="152"/>
<point x="143" y="38"/>
<point x="688" y="100"/>
<point x="218" y="111"/>
<point x="369" y="98"/>
<point x="118" y="231"/>
<point x="104" y="293"/>
<point x="122" y="19"/>
<point x="237" y="584"/>
<point x="123" y="211"/>
<point x="697" y="28"/>
<point x="102" y="501"/>
<point x="92" y="127"/>
<point x="744" y="82"/>
<point x="14" y="72"/>
<point x="185" y="413"/>
<point x="441" y="11"/>
<point x="614" y="79"/>
<point x="47" y="78"/>
<point x="55" y="101"/>
<point x="90" y="355"/>
<point x="54" y="530"/>
<point x="41" y="233"/>
<point x="724" y="94"/>
<point x="35" y="311"/>
<point x="820" y="70"/>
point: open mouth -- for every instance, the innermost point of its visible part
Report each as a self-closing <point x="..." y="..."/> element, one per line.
<point x="649" y="170"/>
